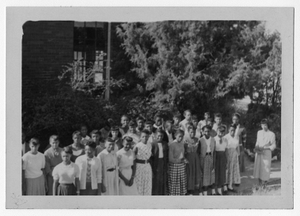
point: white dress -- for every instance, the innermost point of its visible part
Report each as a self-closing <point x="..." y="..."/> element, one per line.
<point x="262" y="164"/>
<point x="125" y="164"/>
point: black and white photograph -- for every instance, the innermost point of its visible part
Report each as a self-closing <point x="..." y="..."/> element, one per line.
<point x="176" y="110"/>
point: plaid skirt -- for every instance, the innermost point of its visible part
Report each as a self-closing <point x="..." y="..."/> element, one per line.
<point x="177" y="179"/>
<point x="208" y="175"/>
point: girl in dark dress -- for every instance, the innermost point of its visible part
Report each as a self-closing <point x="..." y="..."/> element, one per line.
<point x="191" y="144"/>
<point x="221" y="160"/>
<point x="159" y="163"/>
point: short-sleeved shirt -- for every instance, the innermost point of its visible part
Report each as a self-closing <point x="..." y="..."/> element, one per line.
<point x="221" y="143"/>
<point x="33" y="164"/>
<point x="232" y="142"/>
<point x="66" y="174"/>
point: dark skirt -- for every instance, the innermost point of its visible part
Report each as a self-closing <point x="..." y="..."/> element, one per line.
<point x="88" y="190"/>
<point x="177" y="179"/>
<point x="66" y="190"/>
<point x="220" y="168"/>
<point x="193" y="171"/>
<point x="159" y="182"/>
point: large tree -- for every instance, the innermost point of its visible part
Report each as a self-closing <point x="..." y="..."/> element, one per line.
<point x="186" y="64"/>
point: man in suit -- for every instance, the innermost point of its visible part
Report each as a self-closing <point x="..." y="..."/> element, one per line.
<point x="242" y="136"/>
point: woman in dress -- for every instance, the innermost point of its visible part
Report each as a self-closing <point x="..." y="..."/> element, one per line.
<point x="143" y="177"/>
<point x="265" y="144"/>
<point x="53" y="157"/>
<point x="233" y="170"/>
<point x="76" y="146"/>
<point x="207" y="160"/>
<point x="221" y="160"/>
<point x="65" y="175"/>
<point x="127" y="169"/>
<point x="191" y="144"/>
<point x="159" y="164"/>
<point x="110" y="173"/>
<point x="90" y="169"/>
<point x="34" y="164"/>
<point x="177" y="169"/>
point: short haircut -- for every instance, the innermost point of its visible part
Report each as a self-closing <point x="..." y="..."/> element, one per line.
<point x="236" y="115"/>
<point x="179" y="131"/>
<point x="132" y="123"/>
<point x="264" y="121"/>
<point x="108" y="141"/>
<point x="194" y="117"/>
<point x="218" y="115"/>
<point x="75" y="133"/>
<point x="190" y="127"/>
<point x="140" y="118"/>
<point x="95" y="132"/>
<point x="222" y="128"/>
<point x="128" y="138"/>
<point x="68" y="150"/>
<point x="114" y="128"/>
<point x="145" y="131"/>
<point x="91" y="144"/>
<point x="168" y="122"/>
<point x="34" y="141"/>
<point x="149" y="122"/>
<point x="126" y="116"/>
<point x="177" y="115"/>
<point x="53" y="137"/>
<point x="83" y="125"/>
<point x="206" y="126"/>
<point x="160" y="131"/>
<point x="109" y="122"/>
<point x="187" y="111"/>
<point x="158" y="115"/>
<point x="210" y="119"/>
<point x="233" y="126"/>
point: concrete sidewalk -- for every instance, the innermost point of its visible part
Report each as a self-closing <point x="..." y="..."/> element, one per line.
<point x="248" y="181"/>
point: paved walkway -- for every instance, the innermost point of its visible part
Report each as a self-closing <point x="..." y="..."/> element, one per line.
<point x="248" y="181"/>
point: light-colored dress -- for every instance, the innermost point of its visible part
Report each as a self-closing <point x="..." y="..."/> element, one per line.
<point x="35" y="180"/>
<point x="125" y="167"/>
<point x="233" y="170"/>
<point x="110" y="175"/>
<point x="262" y="165"/>
<point x="143" y="177"/>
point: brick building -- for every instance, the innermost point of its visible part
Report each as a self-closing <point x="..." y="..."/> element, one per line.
<point x="48" y="45"/>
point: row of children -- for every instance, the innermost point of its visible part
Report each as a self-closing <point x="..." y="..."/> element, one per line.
<point x="139" y="158"/>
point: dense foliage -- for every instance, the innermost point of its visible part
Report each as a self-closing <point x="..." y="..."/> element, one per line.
<point x="166" y="66"/>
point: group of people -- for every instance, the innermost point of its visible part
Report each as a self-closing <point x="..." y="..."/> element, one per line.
<point x="142" y="157"/>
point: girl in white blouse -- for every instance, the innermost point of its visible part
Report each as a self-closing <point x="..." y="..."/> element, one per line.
<point x="265" y="144"/>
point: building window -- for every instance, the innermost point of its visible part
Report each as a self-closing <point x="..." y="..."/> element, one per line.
<point x="90" y="47"/>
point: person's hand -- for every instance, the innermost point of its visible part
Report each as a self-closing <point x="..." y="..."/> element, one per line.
<point x="131" y="181"/>
<point x="119" y="158"/>
<point x="78" y="193"/>
<point x="126" y="181"/>
<point x="99" y="191"/>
